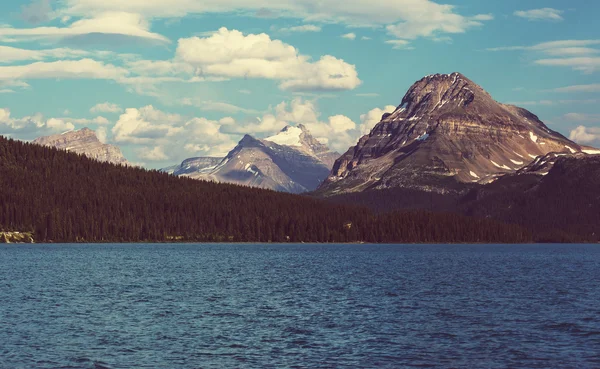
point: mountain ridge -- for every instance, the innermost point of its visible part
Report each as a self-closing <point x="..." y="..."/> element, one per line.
<point x="85" y="142"/>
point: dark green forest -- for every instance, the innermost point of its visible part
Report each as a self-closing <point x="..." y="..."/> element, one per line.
<point x="563" y="206"/>
<point x="65" y="197"/>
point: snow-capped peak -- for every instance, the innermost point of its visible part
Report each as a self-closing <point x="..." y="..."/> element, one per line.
<point x="289" y="136"/>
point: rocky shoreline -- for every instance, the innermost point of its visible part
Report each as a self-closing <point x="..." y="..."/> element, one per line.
<point x="16" y="237"/>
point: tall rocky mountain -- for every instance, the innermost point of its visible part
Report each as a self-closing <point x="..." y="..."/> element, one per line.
<point x="290" y="161"/>
<point x="84" y="141"/>
<point x="447" y="133"/>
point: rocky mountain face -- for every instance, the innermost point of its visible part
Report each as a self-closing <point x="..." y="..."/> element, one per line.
<point x="84" y="141"/>
<point x="291" y="161"/>
<point x="193" y="165"/>
<point x="447" y="133"/>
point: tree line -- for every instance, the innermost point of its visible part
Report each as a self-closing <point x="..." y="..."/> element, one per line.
<point x="66" y="197"/>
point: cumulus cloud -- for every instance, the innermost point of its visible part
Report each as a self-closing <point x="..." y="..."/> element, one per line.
<point x="231" y="54"/>
<point x="585" y="135"/>
<point x="370" y="119"/>
<point x="31" y="127"/>
<point x="540" y="14"/>
<point x="145" y="125"/>
<point x="107" y="23"/>
<point x="101" y="133"/>
<point x="349" y="36"/>
<point x="159" y="136"/>
<point x="106" y="108"/>
<point x="338" y="131"/>
<point x="153" y="154"/>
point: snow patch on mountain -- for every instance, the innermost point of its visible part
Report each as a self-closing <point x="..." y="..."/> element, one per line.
<point x="289" y="136"/>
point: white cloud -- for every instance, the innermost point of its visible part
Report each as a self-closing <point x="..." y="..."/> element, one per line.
<point x="161" y="136"/>
<point x="31" y="127"/>
<point x="576" y="54"/>
<point x="370" y="119"/>
<point x="571" y="51"/>
<point x="585" y="135"/>
<point x="231" y="54"/>
<point x="420" y="16"/>
<point x="152" y="154"/>
<point x="550" y="46"/>
<point x="107" y="23"/>
<point x="338" y="131"/>
<point x="216" y="106"/>
<point x="365" y="38"/>
<point x="553" y="102"/>
<point x="58" y="125"/>
<point x="84" y="121"/>
<point x="145" y="125"/>
<point x="440" y="21"/>
<point x="84" y="68"/>
<point x="400" y="44"/>
<point x="584" y="64"/>
<point x="579" y="88"/>
<point x="582" y="117"/>
<point x="101" y="134"/>
<point x="349" y="36"/>
<point x="302" y="28"/>
<point x="106" y="108"/>
<point x="540" y="14"/>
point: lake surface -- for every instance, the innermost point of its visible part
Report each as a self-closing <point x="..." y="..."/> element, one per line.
<point x="299" y="306"/>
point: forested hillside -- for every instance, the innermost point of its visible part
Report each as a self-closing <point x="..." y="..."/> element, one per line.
<point x="562" y="206"/>
<point x="65" y="197"/>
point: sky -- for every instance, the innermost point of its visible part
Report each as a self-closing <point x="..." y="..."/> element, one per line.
<point x="169" y="80"/>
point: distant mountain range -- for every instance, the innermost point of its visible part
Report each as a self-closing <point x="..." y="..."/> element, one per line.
<point x="290" y="161"/>
<point x="84" y="141"/>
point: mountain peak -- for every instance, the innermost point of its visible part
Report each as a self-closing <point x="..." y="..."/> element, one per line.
<point x="446" y="130"/>
<point x="288" y="136"/>
<point x="83" y="141"/>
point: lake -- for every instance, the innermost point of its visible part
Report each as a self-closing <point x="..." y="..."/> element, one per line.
<point x="299" y="306"/>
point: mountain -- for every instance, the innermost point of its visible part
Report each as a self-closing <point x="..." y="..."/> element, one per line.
<point x="193" y="165"/>
<point x="290" y="161"/>
<point x="84" y="141"/>
<point x="447" y="134"/>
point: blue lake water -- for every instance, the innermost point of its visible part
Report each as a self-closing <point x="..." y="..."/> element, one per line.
<point x="299" y="306"/>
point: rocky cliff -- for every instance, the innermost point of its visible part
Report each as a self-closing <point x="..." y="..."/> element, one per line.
<point x="84" y="141"/>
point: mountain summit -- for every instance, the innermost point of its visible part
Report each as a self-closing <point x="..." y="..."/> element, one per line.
<point x="86" y="142"/>
<point x="290" y="161"/>
<point x="446" y="131"/>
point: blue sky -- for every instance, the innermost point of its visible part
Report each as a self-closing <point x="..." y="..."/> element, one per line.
<point x="168" y="80"/>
